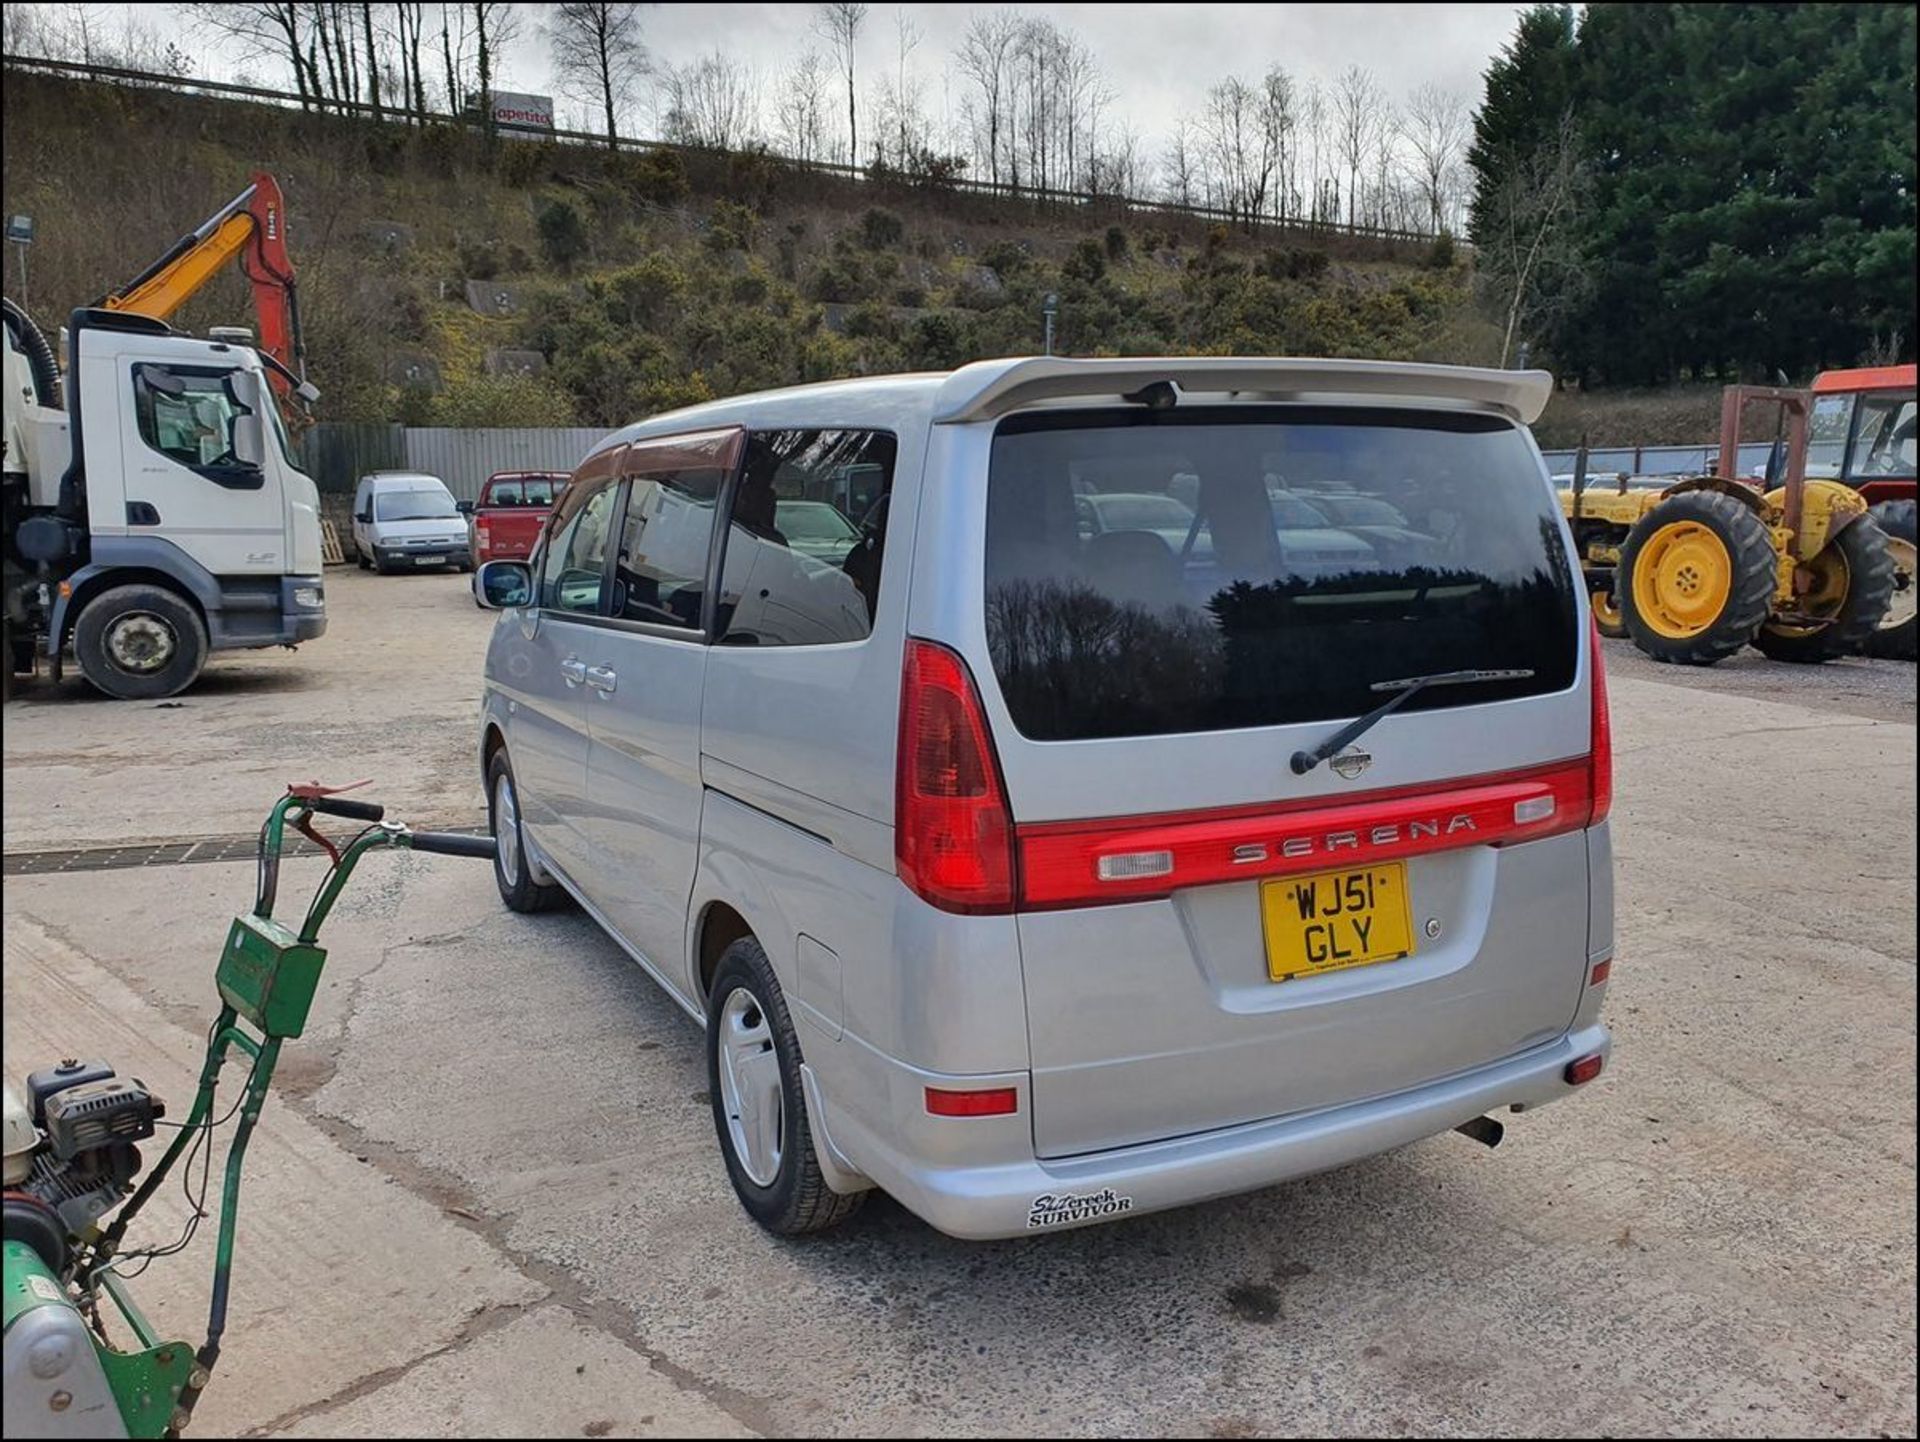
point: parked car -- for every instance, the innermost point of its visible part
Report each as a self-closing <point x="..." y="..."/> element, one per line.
<point x="504" y="521"/>
<point x="407" y="519"/>
<point x="980" y="855"/>
<point x="816" y="528"/>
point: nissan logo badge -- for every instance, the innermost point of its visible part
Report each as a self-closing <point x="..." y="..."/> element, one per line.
<point x="1350" y="764"/>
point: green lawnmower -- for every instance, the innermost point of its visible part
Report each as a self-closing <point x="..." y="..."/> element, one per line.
<point x="72" y="1156"/>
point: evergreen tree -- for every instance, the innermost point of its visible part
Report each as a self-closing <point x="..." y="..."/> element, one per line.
<point x="1530" y="87"/>
<point x="1753" y="200"/>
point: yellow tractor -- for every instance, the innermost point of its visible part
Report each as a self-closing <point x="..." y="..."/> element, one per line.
<point x="1695" y="570"/>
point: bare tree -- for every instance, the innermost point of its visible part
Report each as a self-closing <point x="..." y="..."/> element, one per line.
<point x="259" y="32"/>
<point x="985" y="59"/>
<point x="408" y="23"/>
<point x="1247" y="129"/>
<point x="800" y="114"/>
<point x="597" y="53"/>
<point x="373" y="58"/>
<point x="1529" y="260"/>
<point x="900" y="110"/>
<point x="1357" y="103"/>
<point x="839" y="25"/>
<point x="22" y="32"/>
<point x="1388" y="195"/>
<point x="495" y="23"/>
<point x="453" y="54"/>
<point x="709" y="102"/>
<point x="1181" y="166"/>
<point x="1437" y="129"/>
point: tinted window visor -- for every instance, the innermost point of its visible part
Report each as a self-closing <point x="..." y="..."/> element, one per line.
<point x="1149" y="573"/>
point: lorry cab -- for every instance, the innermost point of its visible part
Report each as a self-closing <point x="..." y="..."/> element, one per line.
<point x="1041" y="874"/>
<point x="162" y="514"/>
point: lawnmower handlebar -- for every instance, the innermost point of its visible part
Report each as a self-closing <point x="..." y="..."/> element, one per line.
<point x="452" y="843"/>
<point x="355" y="810"/>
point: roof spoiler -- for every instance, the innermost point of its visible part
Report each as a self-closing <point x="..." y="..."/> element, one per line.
<point x="987" y="390"/>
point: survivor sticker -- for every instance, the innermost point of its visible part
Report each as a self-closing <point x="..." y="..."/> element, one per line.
<point x="1058" y="1210"/>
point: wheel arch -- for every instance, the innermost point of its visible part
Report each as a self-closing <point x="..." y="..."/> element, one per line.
<point x="493" y="740"/>
<point x="91" y="582"/>
<point x="718" y="926"/>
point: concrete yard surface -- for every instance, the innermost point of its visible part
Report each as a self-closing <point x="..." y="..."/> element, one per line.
<point x="487" y="1199"/>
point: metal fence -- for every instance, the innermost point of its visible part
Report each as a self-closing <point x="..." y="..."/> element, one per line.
<point x="465" y="458"/>
<point x="337" y="453"/>
<point x="1298" y="225"/>
<point x="1658" y="460"/>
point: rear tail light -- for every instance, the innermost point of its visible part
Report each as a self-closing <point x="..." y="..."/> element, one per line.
<point x="953" y="836"/>
<point x="1601" y="971"/>
<point x="1600" y="762"/>
<point x="990" y="1102"/>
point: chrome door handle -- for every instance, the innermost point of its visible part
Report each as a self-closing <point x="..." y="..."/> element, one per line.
<point x="601" y="678"/>
<point x="573" y="670"/>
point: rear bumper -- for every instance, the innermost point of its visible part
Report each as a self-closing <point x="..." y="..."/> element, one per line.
<point x="984" y="1201"/>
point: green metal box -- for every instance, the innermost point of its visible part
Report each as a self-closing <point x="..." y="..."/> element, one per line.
<point x="269" y="975"/>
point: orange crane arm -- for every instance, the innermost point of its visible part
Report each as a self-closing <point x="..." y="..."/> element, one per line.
<point x="252" y="227"/>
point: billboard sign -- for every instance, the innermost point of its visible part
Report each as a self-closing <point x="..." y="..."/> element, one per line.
<point x="522" y="112"/>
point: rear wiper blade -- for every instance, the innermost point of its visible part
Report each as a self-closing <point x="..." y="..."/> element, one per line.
<point x="1404" y="689"/>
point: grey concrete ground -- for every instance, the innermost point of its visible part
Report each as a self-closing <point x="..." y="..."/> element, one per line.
<point x="487" y="1200"/>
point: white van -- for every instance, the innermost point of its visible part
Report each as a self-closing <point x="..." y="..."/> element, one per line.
<point x="1043" y="863"/>
<point x="407" y="519"/>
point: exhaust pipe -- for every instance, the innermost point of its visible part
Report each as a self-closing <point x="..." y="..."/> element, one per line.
<point x="1484" y="1130"/>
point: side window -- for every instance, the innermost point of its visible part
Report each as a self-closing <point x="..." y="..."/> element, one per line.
<point x="806" y="538"/>
<point x="660" y="573"/>
<point x="1827" y="434"/>
<point x="189" y="416"/>
<point x="574" y="567"/>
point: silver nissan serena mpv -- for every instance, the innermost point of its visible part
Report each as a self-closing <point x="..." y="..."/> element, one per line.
<point x="1065" y="789"/>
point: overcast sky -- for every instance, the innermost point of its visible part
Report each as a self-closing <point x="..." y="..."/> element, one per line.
<point x="1159" y="58"/>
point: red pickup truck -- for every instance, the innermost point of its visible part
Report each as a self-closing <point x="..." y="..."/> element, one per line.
<point x="505" y="522"/>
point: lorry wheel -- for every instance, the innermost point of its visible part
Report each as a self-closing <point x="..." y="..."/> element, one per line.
<point x="1695" y="578"/>
<point x="139" y="643"/>
<point x="1894" y="637"/>
<point x="1852" y="587"/>
<point x="360" y="558"/>
<point x="759" y="1107"/>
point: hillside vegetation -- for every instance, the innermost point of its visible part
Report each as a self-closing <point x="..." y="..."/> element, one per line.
<point x="650" y="280"/>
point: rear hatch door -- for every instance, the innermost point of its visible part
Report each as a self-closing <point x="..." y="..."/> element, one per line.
<point x="1208" y="937"/>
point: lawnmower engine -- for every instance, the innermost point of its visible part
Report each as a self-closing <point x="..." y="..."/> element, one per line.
<point x="70" y="1158"/>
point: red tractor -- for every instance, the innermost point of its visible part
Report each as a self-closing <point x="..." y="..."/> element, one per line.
<point x="1861" y="433"/>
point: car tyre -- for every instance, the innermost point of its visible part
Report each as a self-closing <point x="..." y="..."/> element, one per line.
<point x="512" y="872"/>
<point x="753" y="1063"/>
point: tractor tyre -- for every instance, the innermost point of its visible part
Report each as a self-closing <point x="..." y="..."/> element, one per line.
<point x="1893" y="639"/>
<point x="1853" y="586"/>
<point x="1695" y="579"/>
<point x="1606" y="613"/>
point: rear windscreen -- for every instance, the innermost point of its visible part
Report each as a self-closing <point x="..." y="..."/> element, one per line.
<point x="1153" y="572"/>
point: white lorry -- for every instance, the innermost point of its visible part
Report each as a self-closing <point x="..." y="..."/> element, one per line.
<point x="159" y="514"/>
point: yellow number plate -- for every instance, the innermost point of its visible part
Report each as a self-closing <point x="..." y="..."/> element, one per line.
<point x="1336" y="919"/>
